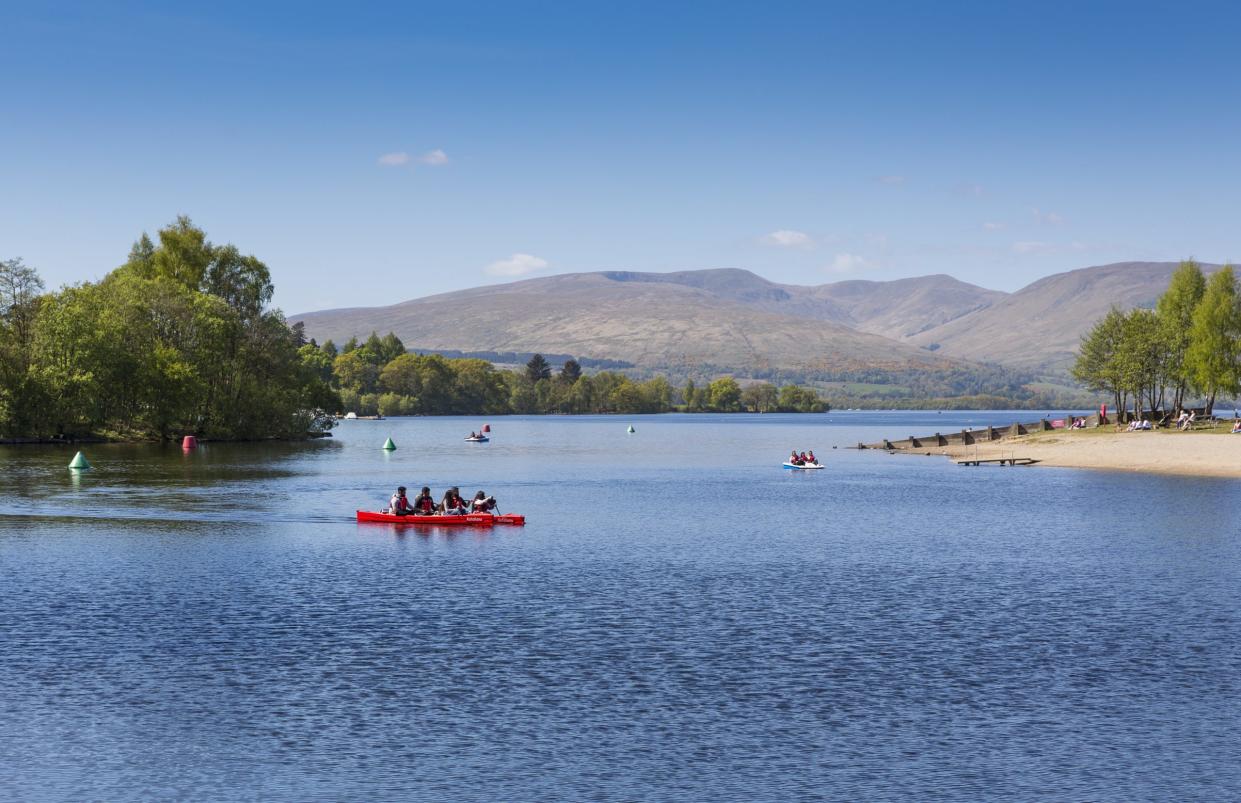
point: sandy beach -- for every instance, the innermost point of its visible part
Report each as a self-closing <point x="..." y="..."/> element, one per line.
<point x="1201" y="454"/>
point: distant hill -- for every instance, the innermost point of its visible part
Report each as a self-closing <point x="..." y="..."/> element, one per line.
<point x="1039" y="327"/>
<point x="734" y="320"/>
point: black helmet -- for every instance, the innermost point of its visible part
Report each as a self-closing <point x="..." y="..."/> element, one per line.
<point x="401" y="490"/>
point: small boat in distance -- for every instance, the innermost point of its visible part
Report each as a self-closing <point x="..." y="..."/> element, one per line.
<point x="477" y="439"/>
<point x="804" y="466"/>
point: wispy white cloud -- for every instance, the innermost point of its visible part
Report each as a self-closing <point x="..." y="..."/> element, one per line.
<point x="396" y="159"/>
<point x="788" y="238"/>
<point x="848" y="263"/>
<point x="1047" y="218"/>
<point x="434" y="158"/>
<point x="992" y="226"/>
<point x="516" y="265"/>
<point x="892" y="180"/>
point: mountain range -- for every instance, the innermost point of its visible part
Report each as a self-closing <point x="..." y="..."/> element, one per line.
<point x="736" y="321"/>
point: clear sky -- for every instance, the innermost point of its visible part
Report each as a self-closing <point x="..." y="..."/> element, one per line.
<point x="371" y="153"/>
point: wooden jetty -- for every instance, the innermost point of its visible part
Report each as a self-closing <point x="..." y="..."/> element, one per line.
<point x="1003" y="461"/>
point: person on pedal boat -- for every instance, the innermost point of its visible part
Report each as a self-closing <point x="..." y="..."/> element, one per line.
<point x="814" y="461"/>
<point x="398" y="505"/>
<point x="804" y="460"/>
<point x="482" y="503"/>
<point x="424" y="504"/>
<point x="795" y="459"/>
<point x="453" y="504"/>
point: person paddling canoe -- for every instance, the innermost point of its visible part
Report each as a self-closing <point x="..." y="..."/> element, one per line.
<point x="398" y="505"/>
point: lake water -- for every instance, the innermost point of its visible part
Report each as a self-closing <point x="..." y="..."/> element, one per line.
<point x="679" y="619"/>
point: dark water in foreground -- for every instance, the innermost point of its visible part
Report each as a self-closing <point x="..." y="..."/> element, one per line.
<point x="680" y="619"/>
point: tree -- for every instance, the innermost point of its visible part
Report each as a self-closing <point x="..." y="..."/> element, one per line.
<point x="1098" y="364"/>
<point x="20" y="289"/>
<point x="537" y="368"/>
<point x="243" y="282"/>
<point x="571" y="372"/>
<point x="1176" y="318"/>
<point x="1211" y="359"/>
<point x="690" y="393"/>
<point x="354" y="372"/>
<point x="793" y="399"/>
<point x="760" y="398"/>
<point x="725" y="394"/>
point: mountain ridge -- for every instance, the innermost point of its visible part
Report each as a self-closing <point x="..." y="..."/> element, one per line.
<point x="737" y="320"/>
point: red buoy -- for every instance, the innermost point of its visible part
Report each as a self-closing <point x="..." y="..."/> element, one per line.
<point x="189" y="442"/>
<point x="486" y="427"/>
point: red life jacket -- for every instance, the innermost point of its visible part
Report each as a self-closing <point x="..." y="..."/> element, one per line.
<point x="402" y="505"/>
<point x="424" y="503"/>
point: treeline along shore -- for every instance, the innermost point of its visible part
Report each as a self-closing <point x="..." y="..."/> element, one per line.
<point x="181" y="339"/>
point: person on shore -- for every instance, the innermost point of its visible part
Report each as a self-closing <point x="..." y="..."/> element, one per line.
<point x="1236" y="425"/>
<point x="482" y="503"/>
<point x="398" y="505"/>
<point x="453" y="504"/>
<point x="1181" y="419"/>
<point x="424" y="504"/>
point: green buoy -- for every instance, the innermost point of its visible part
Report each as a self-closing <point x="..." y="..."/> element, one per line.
<point x="389" y="445"/>
<point x="79" y="462"/>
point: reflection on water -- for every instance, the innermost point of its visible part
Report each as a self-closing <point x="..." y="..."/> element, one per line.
<point x="680" y="618"/>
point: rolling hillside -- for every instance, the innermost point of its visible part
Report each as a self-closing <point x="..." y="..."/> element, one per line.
<point x="734" y="320"/>
<point x="1039" y="327"/>
<point x="727" y="319"/>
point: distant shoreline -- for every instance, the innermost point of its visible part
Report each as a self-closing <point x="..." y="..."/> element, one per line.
<point x="1196" y="454"/>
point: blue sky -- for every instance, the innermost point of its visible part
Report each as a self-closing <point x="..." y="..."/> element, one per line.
<point x="371" y="153"/>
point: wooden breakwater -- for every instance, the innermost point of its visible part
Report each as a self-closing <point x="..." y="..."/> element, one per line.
<point x="969" y="437"/>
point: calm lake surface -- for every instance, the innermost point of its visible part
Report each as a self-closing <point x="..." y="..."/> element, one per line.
<point x="680" y="619"/>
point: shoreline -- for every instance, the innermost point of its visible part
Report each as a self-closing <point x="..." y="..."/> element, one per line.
<point x="1194" y="454"/>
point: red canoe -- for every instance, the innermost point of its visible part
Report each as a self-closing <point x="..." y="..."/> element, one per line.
<point x="469" y="519"/>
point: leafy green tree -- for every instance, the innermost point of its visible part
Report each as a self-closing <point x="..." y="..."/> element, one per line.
<point x="1214" y="351"/>
<point x="725" y="395"/>
<point x="793" y="399"/>
<point x="243" y="282"/>
<point x="537" y="368"/>
<point x="1099" y="365"/>
<point x="353" y="371"/>
<point x="1176" y="318"/>
<point x="402" y="375"/>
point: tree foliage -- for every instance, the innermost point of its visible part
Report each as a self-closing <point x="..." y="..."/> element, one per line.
<point x="1149" y="360"/>
<point x="176" y="341"/>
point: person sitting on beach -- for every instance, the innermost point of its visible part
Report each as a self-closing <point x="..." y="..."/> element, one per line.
<point x="1145" y="426"/>
<point x="1236" y="425"/>
<point x="424" y="504"/>
<point x="453" y="504"/>
<point x="398" y="505"/>
<point x="1189" y="422"/>
<point x="482" y="503"/>
<point x="1181" y="419"/>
